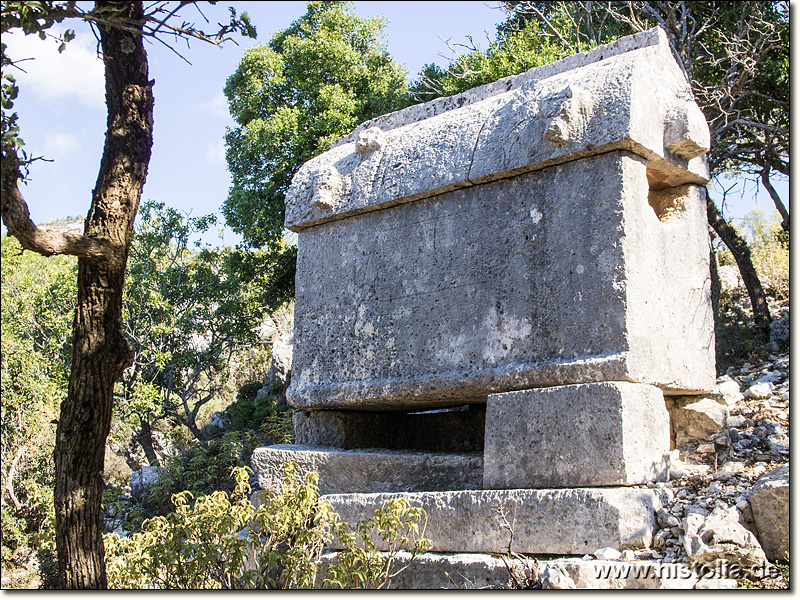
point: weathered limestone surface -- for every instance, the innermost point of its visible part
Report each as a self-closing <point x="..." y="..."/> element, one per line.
<point x="354" y="471"/>
<point x="696" y="419"/>
<point x="770" y="503"/>
<point x="451" y="431"/>
<point x="597" y="434"/>
<point x="627" y="95"/>
<point x="571" y="521"/>
<point x="545" y="230"/>
<point x="432" y="571"/>
<point x="528" y="282"/>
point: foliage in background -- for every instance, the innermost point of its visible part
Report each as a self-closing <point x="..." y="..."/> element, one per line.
<point x="203" y="468"/>
<point x="183" y="302"/>
<point x="192" y="316"/>
<point x="519" y="46"/>
<point x="769" y="249"/>
<point x="198" y="470"/>
<point x="736" y="336"/>
<point x="262" y="413"/>
<point x="35" y="350"/>
<point x="291" y="99"/>
<point x="222" y="541"/>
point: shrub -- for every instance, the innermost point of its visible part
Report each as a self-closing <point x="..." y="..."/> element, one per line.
<point x="199" y="470"/>
<point x="260" y="413"/>
<point x="225" y="542"/>
<point x="736" y="337"/>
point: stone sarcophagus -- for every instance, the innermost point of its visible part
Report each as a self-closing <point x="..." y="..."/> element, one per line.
<point x="533" y="251"/>
<point x="543" y="230"/>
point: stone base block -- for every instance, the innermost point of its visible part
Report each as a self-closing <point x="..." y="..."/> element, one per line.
<point x="432" y="571"/>
<point x="450" y="431"/>
<point x="560" y="522"/>
<point x="365" y="471"/>
<point x="594" y="434"/>
<point x="770" y="503"/>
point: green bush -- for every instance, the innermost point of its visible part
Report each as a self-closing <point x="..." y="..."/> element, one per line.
<point x="200" y="470"/>
<point x="769" y="250"/>
<point x="260" y="413"/>
<point x="224" y="542"/>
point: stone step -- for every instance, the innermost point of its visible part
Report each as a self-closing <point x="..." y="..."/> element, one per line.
<point x="370" y="470"/>
<point x="431" y="571"/>
<point x="554" y="521"/>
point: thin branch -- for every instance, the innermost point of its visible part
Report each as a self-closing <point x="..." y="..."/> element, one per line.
<point x="551" y="26"/>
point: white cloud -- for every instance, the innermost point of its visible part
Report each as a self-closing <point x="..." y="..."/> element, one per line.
<point x="60" y="145"/>
<point x="75" y="74"/>
<point x="215" y="154"/>
<point x="217" y="106"/>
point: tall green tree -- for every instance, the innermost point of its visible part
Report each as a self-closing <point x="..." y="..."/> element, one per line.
<point x="735" y="56"/>
<point x="291" y="99"/>
<point x="100" y="352"/>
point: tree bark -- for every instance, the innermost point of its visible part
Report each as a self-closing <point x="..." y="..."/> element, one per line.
<point x="716" y="284"/>
<point x="100" y="353"/>
<point x="145" y="439"/>
<point x="741" y="254"/>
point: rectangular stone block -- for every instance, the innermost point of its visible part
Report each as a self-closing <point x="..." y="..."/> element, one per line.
<point x="367" y="471"/>
<point x="596" y="434"/>
<point x="571" y="277"/>
<point x="448" y="431"/>
<point x="560" y="522"/>
<point x="432" y="571"/>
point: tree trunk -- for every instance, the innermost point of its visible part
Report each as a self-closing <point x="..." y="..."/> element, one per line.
<point x="741" y="254"/>
<point x="100" y="353"/>
<point x="145" y="439"/>
<point x="776" y="199"/>
<point x="716" y="284"/>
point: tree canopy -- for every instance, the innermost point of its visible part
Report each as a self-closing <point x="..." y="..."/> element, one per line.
<point x="292" y="98"/>
<point x="188" y="313"/>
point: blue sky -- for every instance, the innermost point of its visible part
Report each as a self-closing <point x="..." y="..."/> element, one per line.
<point x="62" y="113"/>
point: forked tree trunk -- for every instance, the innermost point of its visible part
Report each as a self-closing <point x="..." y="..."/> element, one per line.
<point x="100" y="352"/>
<point x="741" y="254"/>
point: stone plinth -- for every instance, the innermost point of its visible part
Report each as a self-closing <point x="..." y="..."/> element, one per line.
<point x="431" y="571"/>
<point x="596" y="434"/>
<point x="365" y="471"/>
<point x="562" y="522"/>
<point x="549" y="233"/>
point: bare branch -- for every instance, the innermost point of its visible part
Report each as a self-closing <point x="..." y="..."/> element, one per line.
<point x="18" y="221"/>
<point x="547" y="22"/>
<point x="753" y="125"/>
